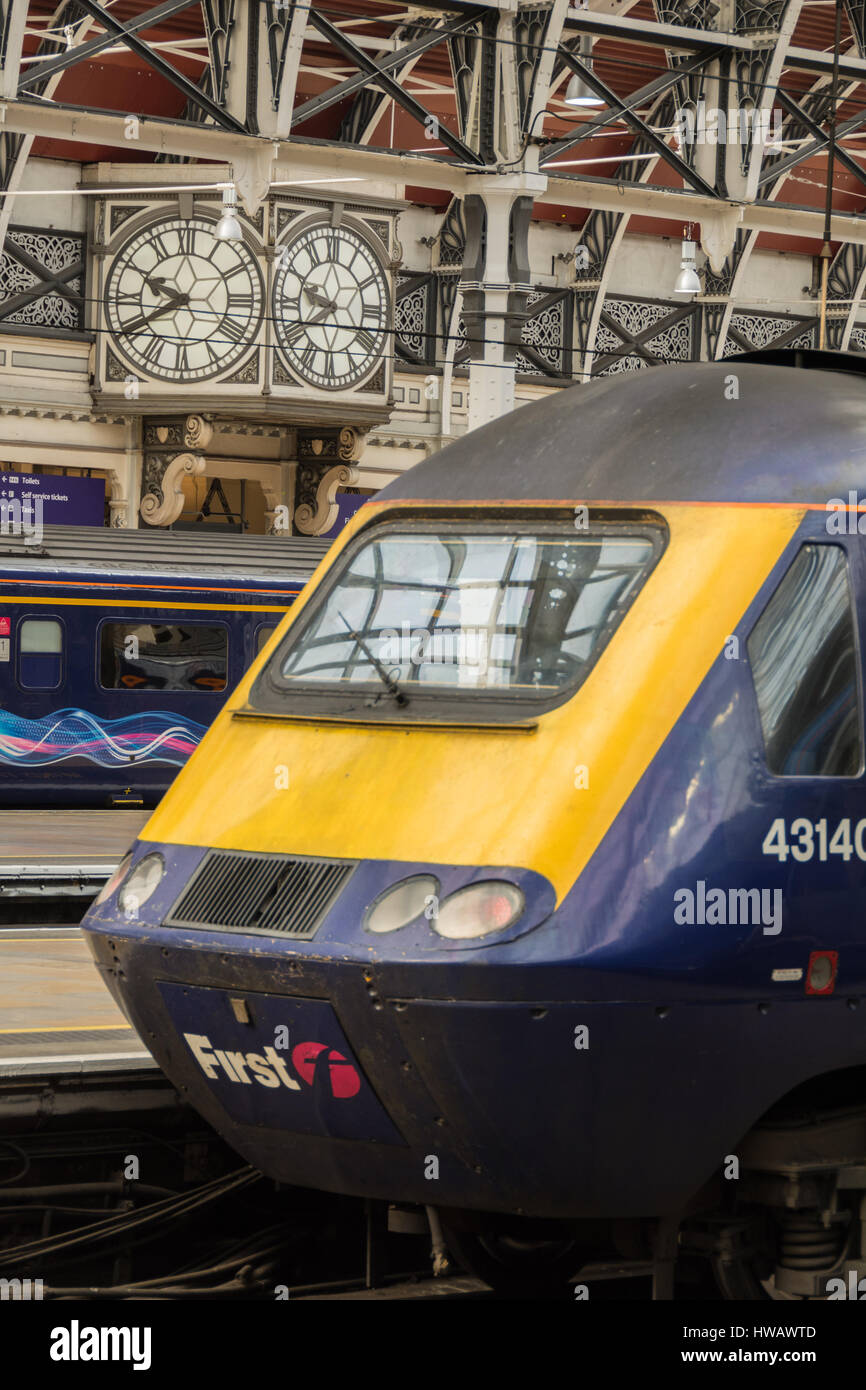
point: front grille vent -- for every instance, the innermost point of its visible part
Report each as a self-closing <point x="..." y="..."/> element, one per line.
<point x="278" y="894"/>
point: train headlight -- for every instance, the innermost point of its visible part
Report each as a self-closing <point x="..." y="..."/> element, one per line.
<point x="400" y="905"/>
<point x="478" y="910"/>
<point x="116" y="878"/>
<point x="141" y="884"/>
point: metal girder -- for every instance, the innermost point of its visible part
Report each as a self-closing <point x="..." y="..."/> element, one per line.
<point x="153" y="59"/>
<point x="378" y="74"/>
<point x="395" y="60"/>
<point x="309" y="158"/>
<point x="545" y="65"/>
<point x="669" y="204"/>
<point x="783" y="166"/>
<point x="794" y="109"/>
<point x="219" y="21"/>
<point x="654" y="141"/>
<point x="38" y="72"/>
<point x="15" y="147"/>
<point x="605" y="118"/>
<point x="13" y="18"/>
<point x="286" y="32"/>
<point x="683" y="39"/>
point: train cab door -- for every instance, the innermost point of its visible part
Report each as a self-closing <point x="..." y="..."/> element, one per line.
<point x="34" y="684"/>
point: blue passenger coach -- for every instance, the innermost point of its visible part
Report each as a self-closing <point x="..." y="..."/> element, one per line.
<point x="118" y="648"/>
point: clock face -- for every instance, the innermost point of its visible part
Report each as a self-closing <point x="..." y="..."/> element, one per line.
<point x="330" y="306"/>
<point x="181" y="305"/>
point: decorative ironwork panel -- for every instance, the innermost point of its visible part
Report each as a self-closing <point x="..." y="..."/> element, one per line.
<point x="446" y="290"/>
<point x="42" y="279"/>
<point x="858" y="338"/>
<point x="415" y="319"/>
<point x="638" y="333"/>
<point x="544" y="335"/>
<point x="530" y="29"/>
<point x="748" y="331"/>
<point x="219" y="20"/>
<point x="452" y="235"/>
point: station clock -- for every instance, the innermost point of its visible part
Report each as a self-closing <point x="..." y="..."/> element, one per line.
<point x="331" y="305"/>
<point x="180" y="305"/>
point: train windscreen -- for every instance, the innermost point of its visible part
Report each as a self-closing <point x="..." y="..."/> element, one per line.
<point x="461" y="611"/>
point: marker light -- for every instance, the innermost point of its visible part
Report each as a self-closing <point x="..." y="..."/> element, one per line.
<point x="821" y="972"/>
<point x="479" y="910"/>
<point x="116" y="878"/>
<point x="400" y="905"/>
<point x="142" y="883"/>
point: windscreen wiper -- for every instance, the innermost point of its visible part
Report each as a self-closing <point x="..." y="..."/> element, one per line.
<point x="387" y="680"/>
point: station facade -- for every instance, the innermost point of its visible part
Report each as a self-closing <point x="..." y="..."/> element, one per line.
<point x="525" y="186"/>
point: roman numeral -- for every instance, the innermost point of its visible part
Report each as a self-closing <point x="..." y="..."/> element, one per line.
<point x="151" y="348"/>
<point x="234" y="330"/>
<point x="160" y="247"/>
<point x="366" y="340"/>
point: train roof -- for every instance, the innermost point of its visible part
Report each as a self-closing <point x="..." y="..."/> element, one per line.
<point x="670" y="434"/>
<point x="190" y="553"/>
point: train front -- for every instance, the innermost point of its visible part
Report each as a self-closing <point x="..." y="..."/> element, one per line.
<point x="385" y="930"/>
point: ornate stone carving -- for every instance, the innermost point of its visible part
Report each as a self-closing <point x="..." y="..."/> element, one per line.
<point x="381" y="229"/>
<point x="164" y="434"/>
<point x="280" y="375"/>
<point x="162" y="504"/>
<point x="315" y="490"/>
<point x="376" y="383"/>
<point x="115" y="370"/>
<point x="198" y="432"/>
<point x="327" y="444"/>
<point x="122" y="214"/>
<point x="285" y="216"/>
<point x="118" y="502"/>
<point x="248" y="374"/>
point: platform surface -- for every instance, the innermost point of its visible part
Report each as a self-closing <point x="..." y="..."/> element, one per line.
<point x="68" y="836"/>
<point x="56" y="1014"/>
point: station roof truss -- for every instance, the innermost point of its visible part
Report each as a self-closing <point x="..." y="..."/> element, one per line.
<point x="436" y="100"/>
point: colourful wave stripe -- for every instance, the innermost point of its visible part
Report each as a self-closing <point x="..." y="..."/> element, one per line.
<point x="152" y="736"/>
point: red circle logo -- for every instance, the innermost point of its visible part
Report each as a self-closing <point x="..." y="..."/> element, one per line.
<point x="317" y="1064"/>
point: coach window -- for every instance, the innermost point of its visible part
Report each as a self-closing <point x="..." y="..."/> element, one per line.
<point x="40" y="653"/>
<point x="263" y="635"/>
<point x="163" y="656"/>
<point x="803" y="654"/>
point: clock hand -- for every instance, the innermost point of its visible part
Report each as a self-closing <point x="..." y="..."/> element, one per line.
<point x="174" y="303"/>
<point x="318" y="298"/>
<point x="317" y="318"/>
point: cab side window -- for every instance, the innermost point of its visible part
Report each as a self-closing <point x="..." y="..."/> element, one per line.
<point x="803" y="655"/>
<point x="40" y="653"/>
